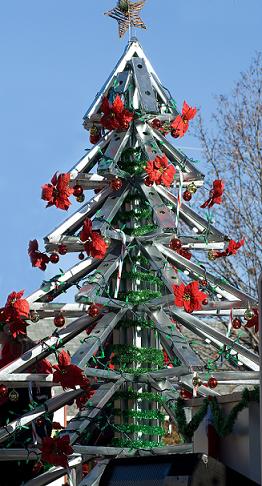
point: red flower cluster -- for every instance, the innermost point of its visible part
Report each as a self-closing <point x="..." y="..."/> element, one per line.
<point x="15" y="311"/>
<point x="95" y="246"/>
<point x="58" y="192"/>
<point x="160" y="172"/>
<point x="189" y="296"/>
<point x="253" y="322"/>
<point x="56" y="450"/>
<point x="115" y="116"/>
<point x="215" y="194"/>
<point x="38" y="259"/>
<point x="67" y="374"/>
<point x="180" y="124"/>
<point x="232" y="248"/>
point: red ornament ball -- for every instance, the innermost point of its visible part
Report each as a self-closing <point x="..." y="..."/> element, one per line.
<point x="185" y="394"/>
<point x="156" y="123"/>
<point x="204" y="283"/>
<point x="116" y="184"/>
<point x="236" y="323"/>
<point x="175" y="244"/>
<point x="174" y="133"/>
<point x="59" y="320"/>
<point x="81" y="256"/>
<point x="93" y="310"/>
<point x="212" y="382"/>
<point x="148" y="182"/>
<point x="62" y="250"/>
<point x="187" y="196"/>
<point x="3" y="391"/>
<point x="49" y="298"/>
<point x="54" y="258"/>
<point x="40" y="422"/>
<point x="78" y="190"/>
<point x="205" y="301"/>
<point x="125" y="125"/>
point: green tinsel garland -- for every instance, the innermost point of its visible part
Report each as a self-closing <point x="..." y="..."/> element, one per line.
<point x="145" y="277"/>
<point x="145" y="414"/>
<point x="142" y="230"/>
<point x="138" y="296"/>
<point x="222" y="424"/>
<point x="143" y="323"/>
<point x="145" y="429"/>
<point x="136" y="444"/>
<point x="130" y="354"/>
<point x="141" y="213"/>
<point x="136" y="371"/>
<point x="130" y="394"/>
<point x="133" y="161"/>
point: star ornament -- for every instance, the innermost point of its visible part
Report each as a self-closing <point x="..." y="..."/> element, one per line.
<point x="127" y="15"/>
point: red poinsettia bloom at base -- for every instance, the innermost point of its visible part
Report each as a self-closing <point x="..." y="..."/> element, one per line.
<point x="14" y="312"/>
<point x="233" y="247"/>
<point x="94" y="244"/>
<point x="58" y="192"/>
<point x="160" y="171"/>
<point x="189" y="296"/>
<point x="180" y="124"/>
<point x="115" y="116"/>
<point x="56" y="450"/>
<point x="215" y="194"/>
<point x="38" y="259"/>
<point x="253" y="322"/>
<point x="67" y="374"/>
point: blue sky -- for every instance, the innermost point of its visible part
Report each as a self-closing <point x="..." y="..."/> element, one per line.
<point x="55" y="55"/>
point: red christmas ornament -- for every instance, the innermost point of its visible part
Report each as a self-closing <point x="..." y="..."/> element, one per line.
<point x="212" y="382"/>
<point x="116" y="184"/>
<point x="148" y="182"/>
<point x="204" y="283"/>
<point x="236" y="323"/>
<point x="78" y="190"/>
<point x="81" y="256"/>
<point x="59" y="320"/>
<point x="174" y="134"/>
<point x="62" y="250"/>
<point x="93" y="310"/>
<point x="49" y="298"/>
<point x="95" y="134"/>
<point x="54" y="258"/>
<point x="205" y="301"/>
<point x="156" y="123"/>
<point x="40" y="422"/>
<point x="3" y="391"/>
<point x="185" y="394"/>
<point x="175" y="244"/>
<point x="187" y="196"/>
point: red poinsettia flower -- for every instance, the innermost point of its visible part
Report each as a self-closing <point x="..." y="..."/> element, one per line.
<point x="94" y="244"/>
<point x="160" y="172"/>
<point x="189" y="296"/>
<point x="215" y="194"/>
<point x="14" y="312"/>
<point x="58" y="192"/>
<point x="115" y="116"/>
<point x="232" y="248"/>
<point x="180" y="124"/>
<point x="38" y="259"/>
<point x="56" y="450"/>
<point x="253" y="322"/>
<point x="67" y="374"/>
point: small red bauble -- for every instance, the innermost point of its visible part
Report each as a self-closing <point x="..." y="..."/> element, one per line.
<point x="175" y="244"/>
<point x="174" y="134"/>
<point x="3" y="391"/>
<point x="40" y="422"/>
<point x="78" y="190"/>
<point x="204" y="283"/>
<point x="81" y="256"/>
<point x="148" y="182"/>
<point x="62" y="249"/>
<point x="54" y="258"/>
<point x="205" y="301"/>
<point x="187" y="196"/>
<point x="212" y="382"/>
<point x="116" y="184"/>
<point x="156" y="123"/>
<point x="185" y="394"/>
<point x="236" y="323"/>
<point x="59" y="320"/>
<point x="49" y="298"/>
<point x="125" y="126"/>
<point x="93" y="310"/>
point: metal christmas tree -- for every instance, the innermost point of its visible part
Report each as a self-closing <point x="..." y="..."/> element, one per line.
<point x="142" y="293"/>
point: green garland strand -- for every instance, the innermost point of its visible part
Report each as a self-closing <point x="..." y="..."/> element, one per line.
<point x="144" y="429"/>
<point x="136" y="444"/>
<point x="136" y="371"/>
<point x="141" y="213"/>
<point x="143" y="323"/>
<point x="132" y="354"/>
<point x="145" y="414"/>
<point x="138" y="296"/>
<point x="130" y="394"/>
<point x="141" y="231"/>
<point x="222" y="424"/>
<point x="144" y="277"/>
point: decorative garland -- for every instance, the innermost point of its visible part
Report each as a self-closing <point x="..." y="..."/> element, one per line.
<point x="138" y="213"/>
<point x="131" y="354"/>
<point x="132" y="161"/>
<point x="130" y="394"/>
<point x="143" y="323"/>
<point x="138" y="296"/>
<point x="145" y="414"/>
<point x="136" y="444"/>
<point x="143" y="230"/>
<point x="145" y="429"/>
<point x="145" y="277"/>
<point x="222" y="424"/>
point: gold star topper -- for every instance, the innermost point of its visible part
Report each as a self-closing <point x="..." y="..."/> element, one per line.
<point x="127" y="15"/>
